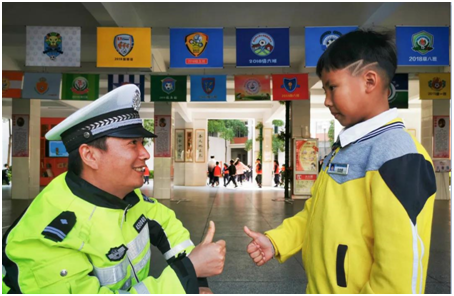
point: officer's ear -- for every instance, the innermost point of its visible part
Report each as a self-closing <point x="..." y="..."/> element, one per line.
<point x="90" y="156"/>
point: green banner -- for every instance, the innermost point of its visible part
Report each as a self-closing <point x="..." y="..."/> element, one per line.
<point x="400" y="100"/>
<point x="168" y="88"/>
<point x="83" y="87"/>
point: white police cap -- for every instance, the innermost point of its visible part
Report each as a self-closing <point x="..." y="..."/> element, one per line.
<point x="116" y="114"/>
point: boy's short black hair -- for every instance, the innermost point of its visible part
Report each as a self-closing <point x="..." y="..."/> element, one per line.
<point x="75" y="164"/>
<point x="259" y="159"/>
<point x="231" y="161"/>
<point x="217" y="162"/>
<point x="367" y="45"/>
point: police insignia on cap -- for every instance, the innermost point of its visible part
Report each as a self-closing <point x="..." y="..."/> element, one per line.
<point x="87" y="135"/>
<point x="136" y="101"/>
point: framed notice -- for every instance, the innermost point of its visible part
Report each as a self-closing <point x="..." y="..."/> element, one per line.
<point x="303" y="183"/>
<point x="162" y="129"/>
<point x="189" y="145"/>
<point x="441" y="140"/>
<point x="20" y="135"/>
<point x="200" y="145"/>
<point x="179" y="145"/>
<point x="442" y="165"/>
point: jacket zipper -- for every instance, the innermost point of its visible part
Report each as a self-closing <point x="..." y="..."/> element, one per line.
<point x="121" y="227"/>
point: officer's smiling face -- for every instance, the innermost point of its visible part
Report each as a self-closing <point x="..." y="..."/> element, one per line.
<point x="123" y="164"/>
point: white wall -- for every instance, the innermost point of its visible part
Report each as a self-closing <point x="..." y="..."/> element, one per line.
<point x="5" y="140"/>
<point x="217" y="148"/>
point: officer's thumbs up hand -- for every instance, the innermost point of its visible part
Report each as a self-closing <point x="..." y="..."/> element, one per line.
<point x="207" y="257"/>
<point x="260" y="248"/>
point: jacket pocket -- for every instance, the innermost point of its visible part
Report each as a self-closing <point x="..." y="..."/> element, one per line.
<point x="340" y="263"/>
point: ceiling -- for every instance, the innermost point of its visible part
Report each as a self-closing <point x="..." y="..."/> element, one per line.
<point x="161" y="16"/>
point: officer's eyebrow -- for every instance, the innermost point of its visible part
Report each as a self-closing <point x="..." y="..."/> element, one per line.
<point x="359" y="66"/>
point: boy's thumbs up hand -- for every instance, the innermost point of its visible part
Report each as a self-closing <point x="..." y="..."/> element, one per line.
<point x="260" y="248"/>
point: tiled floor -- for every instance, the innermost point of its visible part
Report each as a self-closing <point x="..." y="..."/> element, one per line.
<point x="231" y="209"/>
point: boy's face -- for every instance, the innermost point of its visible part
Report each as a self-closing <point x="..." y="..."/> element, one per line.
<point x="345" y="96"/>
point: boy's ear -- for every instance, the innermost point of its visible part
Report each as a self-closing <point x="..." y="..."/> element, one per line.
<point x="371" y="80"/>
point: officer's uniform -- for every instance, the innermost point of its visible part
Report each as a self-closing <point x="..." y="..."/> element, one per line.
<point x="77" y="238"/>
<point x="366" y="228"/>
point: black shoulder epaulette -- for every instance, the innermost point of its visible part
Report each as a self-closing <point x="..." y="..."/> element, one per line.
<point x="147" y="199"/>
<point x="59" y="228"/>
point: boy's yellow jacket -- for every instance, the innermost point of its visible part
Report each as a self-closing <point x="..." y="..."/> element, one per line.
<point x="367" y="231"/>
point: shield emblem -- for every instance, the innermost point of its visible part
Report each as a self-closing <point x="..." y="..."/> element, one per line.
<point x="42" y="86"/>
<point x="124" y="43"/>
<point x="290" y="84"/>
<point x="168" y="85"/>
<point x="208" y="85"/>
<point x="196" y="43"/>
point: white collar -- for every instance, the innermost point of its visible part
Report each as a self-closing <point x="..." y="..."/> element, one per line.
<point x="359" y="130"/>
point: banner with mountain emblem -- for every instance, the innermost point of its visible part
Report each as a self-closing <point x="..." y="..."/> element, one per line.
<point x="422" y="46"/>
<point x="12" y="84"/>
<point x="263" y="47"/>
<point x="115" y="80"/>
<point x="53" y="46"/>
<point x="124" y="47"/>
<point x="398" y="92"/>
<point x="208" y="88"/>
<point x="196" y="47"/>
<point x="41" y="86"/>
<point x="252" y="88"/>
<point x="434" y="86"/>
<point x="168" y="88"/>
<point x="317" y="40"/>
<point x="289" y="87"/>
<point x="83" y="87"/>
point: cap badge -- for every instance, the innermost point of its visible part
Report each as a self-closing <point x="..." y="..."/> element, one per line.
<point x="136" y="101"/>
<point x="87" y="135"/>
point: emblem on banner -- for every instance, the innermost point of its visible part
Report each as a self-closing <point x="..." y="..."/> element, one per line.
<point x="437" y="84"/>
<point x="124" y="43"/>
<point x="168" y="85"/>
<point x="262" y="44"/>
<point x="252" y="86"/>
<point x="5" y="83"/>
<point x="53" y="45"/>
<point x="80" y="85"/>
<point x="423" y="42"/>
<point x="329" y="37"/>
<point x="290" y="84"/>
<point x="42" y="86"/>
<point x="392" y="93"/>
<point x="208" y="85"/>
<point x="196" y="43"/>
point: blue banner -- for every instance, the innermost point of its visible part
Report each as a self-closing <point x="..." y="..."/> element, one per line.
<point x="41" y="86"/>
<point x="208" y="88"/>
<point x="317" y="40"/>
<point x="263" y="47"/>
<point x="196" y="48"/>
<point x="422" y="46"/>
<point x="115" y="80"/>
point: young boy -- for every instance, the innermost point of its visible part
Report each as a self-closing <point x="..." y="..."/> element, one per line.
<point x="216" y="174"/>
<point x="366" y="228"/>
<point x="258" y="171"/>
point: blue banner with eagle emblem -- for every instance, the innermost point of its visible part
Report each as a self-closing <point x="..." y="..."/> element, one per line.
<point x="196" y="47"/>
<point x="317" y="40"/>
<point x="263" y="47"/>
<point x="208" y="88"/>
<point x="422" y="46"/>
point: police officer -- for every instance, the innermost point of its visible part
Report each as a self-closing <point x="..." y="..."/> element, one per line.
<point x="90" y="230"/>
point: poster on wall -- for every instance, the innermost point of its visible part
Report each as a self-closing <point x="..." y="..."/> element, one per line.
<point x="53" y="46"/>
<point x="189" y="145"/>
<point x="441" y="137"/>
<point x="200" y="145"/>
<point x="306" y="157"/>
<point x="20" y="135"/>
<point x="304" y="183"/>
<point x="252" y="88"/>
<point x="179" y="145"/>
<point x="162" y="129"/>
<point x="442" y="165"/>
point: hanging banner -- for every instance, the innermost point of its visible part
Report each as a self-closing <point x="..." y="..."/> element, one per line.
<point x="53" y="46"/>
<point x="163" y="131"/>
<point x="263" y="47"/>
<point x="20" y="134"/>
<point x="289" y="87"/>
<point x="196" y="48"/>
<point x="208" y="88"/>
<point x="12" y="84"/>
<point x="115" y="80"/>
<point x="124" y="47"/>
<point x="252" y="88"/>
<point x="441" y="137"/>
<point x="168" y="88"/>
<point x="84" y="87"/>
<point x="434" y="86"/>
<point x="398" y="92"/>
<point x="422" y="46"/>
<point x="42" y="86"/>
<point x="317" y="40"/>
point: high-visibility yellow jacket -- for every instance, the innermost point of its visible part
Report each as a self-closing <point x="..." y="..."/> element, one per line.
<point x="366" y="231"/>
<point x="76" y="238"/>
